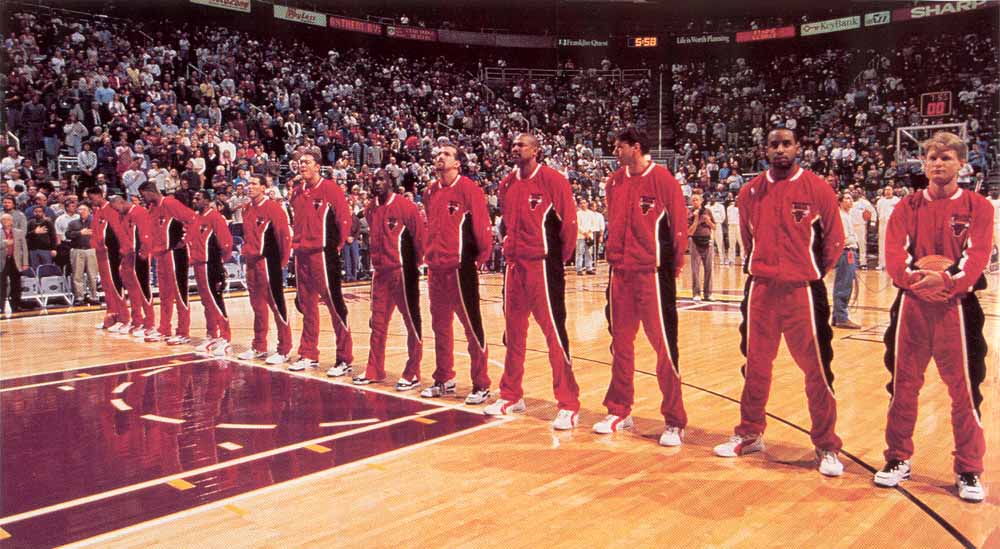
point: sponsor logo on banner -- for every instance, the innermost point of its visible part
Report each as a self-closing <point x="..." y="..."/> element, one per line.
<point x="411" y="33"/>
<point x="300" y="16"/>
<point x="878" y="18"/>
<point x="831" y="25"/>
<point x="235" y="5"/>
<point x="353" y="25"/>
<point x="704" y="39"/>
<point x="937" y="8"/>
<point x="581" y="43"/>
<point x="765" y="34"/>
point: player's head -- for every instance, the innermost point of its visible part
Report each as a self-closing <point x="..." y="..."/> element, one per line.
<point x="95" y="195"/>
<point x="449" y="157"/>
<point x="256" y="185"/>
<point x="525" y="148"/>
<point x="944" y="155"/>
<point x="199" y="202"/>
<point x="381" y="184"/>
<point x="782" y="147"/>
<point x="633" y="138"/>
<point x="308" y="160"/>
<point x="119" y="204"/>
<point x="149" y="192"/>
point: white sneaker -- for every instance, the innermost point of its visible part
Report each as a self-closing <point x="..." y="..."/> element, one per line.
<point x="696" y="298"/>
<point x="829" y="463"/>
<point x="100" y="326"/>
<point x="478" y="396"/>
<point x="894" y="472"/>
<point x="969" y="487"/>
<point x="565" y="420"/>
<point x="672" y="436"/>
<point x="139" y="332"/>
<point x="613" y="424"/>
<point x="339" y="369"/>
<point x="302" y="364"/>
<point x="502" y="407"/>
<point x="276" y="359"/>
<point x="153" y="336"/>
<point x="223" y="348"/>
<point x="116" y="327"/>
<point x="205" y="345"/>
<point x="250" y="354"/>
<point x="439" y="389"/>
<point x="178" y="340"/>
<point x="737" y="446"/>
<point x="407" y="384"/>
<point x="125" y="330"/>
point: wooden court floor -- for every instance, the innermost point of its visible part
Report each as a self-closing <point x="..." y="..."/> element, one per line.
<point x="519" y="483"/>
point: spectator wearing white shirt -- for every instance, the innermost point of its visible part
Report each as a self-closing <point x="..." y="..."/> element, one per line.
<point x="718" y="211"/>
<point x="859" y="223"/>
<point x="884" y="207"/>
<point x="846" y="270"/>
<point x="599" y="225"/>
<point x="584" y="240"/>
<point x="732" y="232"/>
<point x="63" y="221"/>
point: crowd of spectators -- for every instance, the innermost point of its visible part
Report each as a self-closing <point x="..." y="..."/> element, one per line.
<point x="196" y="107"/>
<point x="847" y="117"/>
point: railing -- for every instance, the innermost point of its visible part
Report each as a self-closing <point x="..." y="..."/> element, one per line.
<point x="505" y="74"/>
<point x="11" y="137"/>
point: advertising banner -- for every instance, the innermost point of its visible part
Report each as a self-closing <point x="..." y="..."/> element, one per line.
<point x="765" y="34"/>
<point x="582" y="43"/>
<point x="411" y="33"/>
<point x="937" y="8"/>
<point x="300" y="16"/>
<point x="353" y="25"/>
<point x="876" y="18"/>
<point x="235" y="5"/>
<point x="831" y="25"/>
<point x="703" y="40"/>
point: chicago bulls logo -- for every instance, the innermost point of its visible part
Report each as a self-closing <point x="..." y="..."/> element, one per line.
<point x="317" y="203"/>
<point x="163" y="220"/>
<point x="204" y="229"/>
<point x="261" y="221"/>
<point x="534" y="199"/>
<point x="646" y="203"/>
<point x="453" y="207"/>
<point x="799" y="211"/>
<point x="391" y="223"/>
<point x="960" y="224"/>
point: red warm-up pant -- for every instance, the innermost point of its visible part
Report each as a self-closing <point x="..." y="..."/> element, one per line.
<point x="537" y="287"/>
<point x="267" y="295"/>
<point x="211" y="278"/>
<point x="952" y="334"/>
<point x="650" y="298"/>
<point x="134" y="272"/>
<point x="172" y="277"/>
<point x="111" y="283"/>
<point x="456" y="292"/>
<point x="317" y="275"/>
<point x="392" y="289"/>
<point x="800" y="311"/>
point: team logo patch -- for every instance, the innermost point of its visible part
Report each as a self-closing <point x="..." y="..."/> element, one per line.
<point x="534" y="199"/>
<point x="960" y="224"/>
<point x="163" y="220"/>
<point x="317" y="203"/>
<point x="261" y="221"/>
<point x="204" y="229"/>
<point x="799" y="211"/>
<point x="453" y="207"/>
<point x="391" y="223"/>
<point x="646" y="203"/>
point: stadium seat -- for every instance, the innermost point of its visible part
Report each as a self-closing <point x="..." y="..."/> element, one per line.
<point x="52" y="285"/>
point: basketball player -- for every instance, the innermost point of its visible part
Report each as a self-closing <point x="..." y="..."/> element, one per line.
<point x="648" y="233"/>
<point x="458" y="241"/>
<point x="322" y="223"/>
<point x="785" y="294"/>
<point x="995" y="201"/>
<point x="210" y="244"/>
<point x="169" y="217"/>
<point x="266" y="250"/>
<point x="936" y="313"/>
<point x="396" y="246"/>
<point x="134" y="243"/>
<point x="106" y="227"/>
<point x="539" y="237"/>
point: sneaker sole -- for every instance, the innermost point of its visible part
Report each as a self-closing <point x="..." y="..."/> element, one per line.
<point x="885" y="485"/>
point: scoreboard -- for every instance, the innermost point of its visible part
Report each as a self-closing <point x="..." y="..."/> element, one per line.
<point x="642" y="41"/>
<point x="935" y="104"/>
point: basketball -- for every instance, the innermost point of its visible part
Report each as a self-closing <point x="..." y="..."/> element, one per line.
<point x="934" y="262"/>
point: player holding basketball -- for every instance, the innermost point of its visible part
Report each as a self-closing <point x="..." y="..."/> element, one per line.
<point x="321" y="225"/>
<point x="791" y="229"/>
<point x="648" y="233"/>
<point x="938" y="244"/>
<point x="266" y="251"/>
<point x="397" y="248"/>
<point x="458" y="241"/>
<point x="211" y="244"/>
<point x="540" y="229"/>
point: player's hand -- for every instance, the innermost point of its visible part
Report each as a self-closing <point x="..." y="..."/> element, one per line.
<point x="930" y="287"/>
